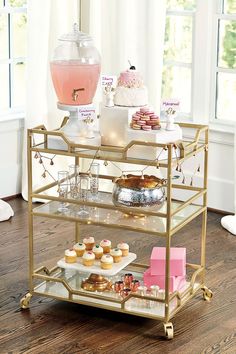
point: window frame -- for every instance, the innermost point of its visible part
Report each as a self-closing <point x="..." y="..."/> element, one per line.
<point x="11" y="112"/>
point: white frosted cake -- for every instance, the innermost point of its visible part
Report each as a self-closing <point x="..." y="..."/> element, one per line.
<point x="130" y="91"/>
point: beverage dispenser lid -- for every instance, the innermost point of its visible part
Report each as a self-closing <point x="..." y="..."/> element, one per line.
<point x="76" y="36"/>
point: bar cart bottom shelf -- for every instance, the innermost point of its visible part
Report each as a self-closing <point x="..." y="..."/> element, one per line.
<point x="66" y="285"/>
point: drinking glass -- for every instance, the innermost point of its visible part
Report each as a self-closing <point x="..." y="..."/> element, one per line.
<point x="83" y="195"/>
<point x="74" y="180"/>
<point x="63" y="189"/>
<point x="94" y="180"/>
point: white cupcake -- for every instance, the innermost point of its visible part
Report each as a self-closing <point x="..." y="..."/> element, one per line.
<point x="89" y="243"/>
<point x="106" y="245"/>
<point x="106" y="261"/>
<point x="88" y="258"/>
<point x="98" y="251"/>
<point x="124" y="247"/>
<point x="79" y="249"/>
<point x="116" y="253"/>
<point x="70" y="256"/>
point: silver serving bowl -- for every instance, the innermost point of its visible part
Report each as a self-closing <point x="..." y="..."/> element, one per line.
<point x="137" y="197"/>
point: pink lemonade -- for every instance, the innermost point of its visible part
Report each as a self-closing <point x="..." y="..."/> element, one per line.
<point x="68" y="76"/>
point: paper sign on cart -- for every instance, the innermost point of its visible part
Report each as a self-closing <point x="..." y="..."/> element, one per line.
<point x="85" y="112"/>
<point x="108" y="80"/>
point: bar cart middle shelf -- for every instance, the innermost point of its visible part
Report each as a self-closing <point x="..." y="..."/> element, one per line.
<point x="65" y="284"/>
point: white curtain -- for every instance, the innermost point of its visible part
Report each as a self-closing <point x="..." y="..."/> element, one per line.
<point x="129" y="30"/>
<point x="47" y="20"/>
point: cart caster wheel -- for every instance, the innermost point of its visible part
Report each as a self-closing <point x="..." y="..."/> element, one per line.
<point x="169" y="330"/>
<point x="207" y="294"/>
<point x="24" y="302"/>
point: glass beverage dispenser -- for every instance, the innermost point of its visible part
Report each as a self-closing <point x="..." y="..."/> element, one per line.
<point x="75" y="71"/>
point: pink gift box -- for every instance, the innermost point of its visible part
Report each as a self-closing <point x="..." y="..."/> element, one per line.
<point x="177" y="261"/>
<point x="176" y="283"/>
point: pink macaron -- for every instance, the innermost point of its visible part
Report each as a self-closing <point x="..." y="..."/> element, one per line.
<point x="135" y="117"/>
<point x="146" y="127"/>
<point x="141" y="122"/>
<point x="154" y="116"/>
<point x="156" y="127"/>
<point x="144" y="109"/>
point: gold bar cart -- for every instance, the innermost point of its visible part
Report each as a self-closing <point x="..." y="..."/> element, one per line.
<point x="172" y="217"/>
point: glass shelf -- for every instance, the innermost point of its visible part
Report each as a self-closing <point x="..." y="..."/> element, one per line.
<point x="107" y="299"/>
<point x="114" y="218"/>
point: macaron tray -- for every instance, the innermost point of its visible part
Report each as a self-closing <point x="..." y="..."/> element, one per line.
<point x="96" y="268"/>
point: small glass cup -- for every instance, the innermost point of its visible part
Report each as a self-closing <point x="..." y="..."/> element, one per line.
<point x="83" y="195"/>
<point x="63" y="190"/>
<point x="74" y="180"/>
<point x="134" y="284"/>
<point x="94" y="180"/>
<point x="127" y="278"/>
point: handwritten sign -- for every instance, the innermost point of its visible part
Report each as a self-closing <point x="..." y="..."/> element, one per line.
<point x="85" y="112"/>
<point x="170" y="103"/>
<point x="108" y="80"/>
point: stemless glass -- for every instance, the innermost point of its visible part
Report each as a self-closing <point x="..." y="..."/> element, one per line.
<point x="94" y="180"/>
<point x="74" y="180"/>
<point x="63" y="189"/>
<point x="83" y="195"/>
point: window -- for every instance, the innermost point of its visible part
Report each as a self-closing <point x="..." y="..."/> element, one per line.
<point x="13" y="22"/>
<point x="200" y="58"/>
<point x="225" y="63"/>
<point x="177" y="71"/>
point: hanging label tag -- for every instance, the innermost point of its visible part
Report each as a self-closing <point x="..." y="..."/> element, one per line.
<point x="86" y="113"/>
<point x="170" y="103"/>
<point x="108" y="80"/>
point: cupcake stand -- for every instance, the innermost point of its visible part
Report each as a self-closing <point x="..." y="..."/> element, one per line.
<point x="64" y="282"/>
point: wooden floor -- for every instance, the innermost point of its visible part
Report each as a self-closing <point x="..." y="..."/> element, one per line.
<point x="51" y="326"/>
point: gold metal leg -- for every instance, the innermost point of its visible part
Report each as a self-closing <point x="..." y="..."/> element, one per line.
<point x="24" y="302"/>
<point x="169" y="330"/>
<point x="207" y="294"/>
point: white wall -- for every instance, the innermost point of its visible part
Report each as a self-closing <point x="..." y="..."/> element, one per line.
<point x="11" y="142"/>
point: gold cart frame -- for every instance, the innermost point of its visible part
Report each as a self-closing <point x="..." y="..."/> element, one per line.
<point x="117" y="154"/>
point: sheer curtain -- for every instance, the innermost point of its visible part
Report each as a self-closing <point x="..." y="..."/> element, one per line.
<point x="47" y="20"/>
<point x="128" y="30"/>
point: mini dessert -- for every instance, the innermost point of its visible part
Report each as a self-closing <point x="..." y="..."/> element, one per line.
<point x="124" y="247"/>
<point x="98" y="251"/>
<point x="88" y="258"/>
<point x="106" y="245"/>
<point x="116" y="253"/>
<point x="146" y="119"/>
<point x="106" y="261"/>
<point x="70" y="256"/>
<point x="79" y="249"/>
<point x="130" y="91"/>
<point x="89" y="243"/>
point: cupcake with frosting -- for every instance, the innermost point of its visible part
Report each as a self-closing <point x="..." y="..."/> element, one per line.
<point x="106" y="245"/>
<point x="106" y="261"/>
<point x="89" y="243"/>
<point x="124" y="247"/>
<point x="70" y="256"/>
<point x="116" y="253"/>
<point x="88" y="258"/>
<point x="98" y="251"/>
<point x="79" y="249"/>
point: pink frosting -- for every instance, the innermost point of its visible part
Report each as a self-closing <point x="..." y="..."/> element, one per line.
<point x="130" y="78"/>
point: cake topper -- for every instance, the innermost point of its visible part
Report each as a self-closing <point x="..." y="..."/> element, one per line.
<point x="132" y="67"/>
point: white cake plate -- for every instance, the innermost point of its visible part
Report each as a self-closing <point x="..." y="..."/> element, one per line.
<point x="116" y="267"/>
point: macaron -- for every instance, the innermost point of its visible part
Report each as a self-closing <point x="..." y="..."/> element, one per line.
<point x="136" y="126"/>
<point x="156" y="127"/>
<point x="146" y="127"/>
<point x="145" y="118"/>
<point x="135" y="117"/>
<point x="154" y="116"/>
<point x="141" y="122"/>
<point x="152" y="122"/>
<point x="144" y="109"/>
